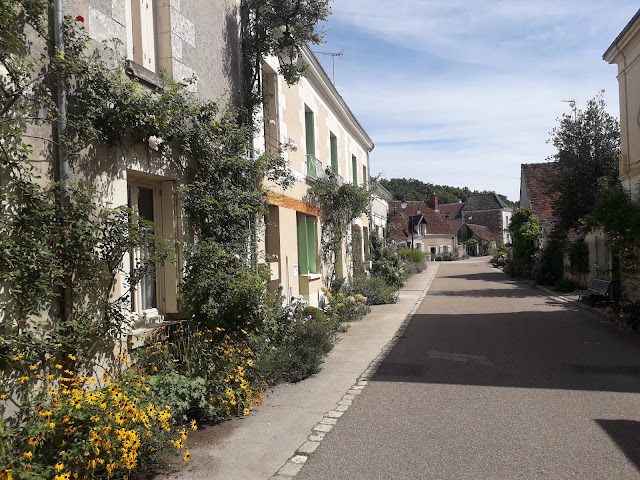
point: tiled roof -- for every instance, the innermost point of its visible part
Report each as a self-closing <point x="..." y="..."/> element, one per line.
<point x="484" y="201"/>
<point x="536" y="176"/>
<point x="451" y="210"/>
<point x="480" y="231"/>
<point x="436" y="223"/>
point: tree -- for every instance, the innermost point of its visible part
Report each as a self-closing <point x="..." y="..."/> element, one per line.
<point x="588" y="143"/>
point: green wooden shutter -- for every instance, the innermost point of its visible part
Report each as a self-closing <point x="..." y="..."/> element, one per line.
<point x="303" y="262"/>
<point x="354" y="164"/>
<point x="310" y="133"/>
<point x="334" y="153"/>
<point x="312" y="244"/>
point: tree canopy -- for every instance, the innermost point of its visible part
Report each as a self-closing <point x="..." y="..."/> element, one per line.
<point x="588" y="143"/>
<point x="412" y="189"/>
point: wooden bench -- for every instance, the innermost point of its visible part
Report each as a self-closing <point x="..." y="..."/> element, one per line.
<point x="598" y="289"/>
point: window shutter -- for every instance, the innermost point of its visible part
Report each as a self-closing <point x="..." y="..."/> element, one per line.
<point x="334" y="153"/>
<point x="310" y="133"/>
<point x="354" y="164"/>
<point x="148" y="35"/>
<point x="303" y="263"/>
<point x="312" y="244"/>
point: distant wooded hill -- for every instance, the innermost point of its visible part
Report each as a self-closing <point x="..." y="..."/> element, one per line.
<point x="412" y="189"/>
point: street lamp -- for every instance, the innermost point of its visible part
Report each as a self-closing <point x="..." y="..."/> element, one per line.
<point x="403" y="205"/>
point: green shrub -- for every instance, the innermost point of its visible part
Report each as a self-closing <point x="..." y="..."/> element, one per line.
<point x="374" y="289"/>
<point x="447" y="256"/>
<point x="564" y="285"/>
<point x="414" y="255"/>
<point x="343" y="308"/>
<point x="220" y="291"/>
<point x="291" y="346"/>
<point x="549" y="263"/>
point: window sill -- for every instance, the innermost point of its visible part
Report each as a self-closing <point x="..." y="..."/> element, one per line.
<point x="148" y="77"/>
<point x="312" y="276"/>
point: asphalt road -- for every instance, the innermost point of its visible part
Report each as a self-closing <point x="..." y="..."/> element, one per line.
<point x="493" y="380"/>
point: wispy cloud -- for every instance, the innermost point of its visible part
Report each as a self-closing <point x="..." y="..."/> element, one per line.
<point x="463" y="92"/>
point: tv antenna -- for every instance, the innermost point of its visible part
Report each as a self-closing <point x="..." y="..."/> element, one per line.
<point x="333" y="56"/>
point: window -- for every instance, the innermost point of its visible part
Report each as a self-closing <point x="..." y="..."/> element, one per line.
<point x="153" y="199"/>
<point x="354" y="168"/>
<point x="307" y="244"/>
<point x="141" y="33"/>
<point x="333" y="141"/>
<point x="142" y="199"/>
<point x="364" y="176"/>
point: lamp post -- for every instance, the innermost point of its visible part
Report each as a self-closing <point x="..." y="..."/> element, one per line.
<point x="403" y="205"/>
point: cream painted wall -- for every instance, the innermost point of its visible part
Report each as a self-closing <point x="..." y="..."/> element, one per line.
<point x="313" y="92"/>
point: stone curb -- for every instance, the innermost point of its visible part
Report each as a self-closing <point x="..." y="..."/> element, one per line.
<point x="295" y="463"/>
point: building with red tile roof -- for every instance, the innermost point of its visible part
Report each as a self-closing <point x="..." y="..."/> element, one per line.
<point x="431" y="232"/>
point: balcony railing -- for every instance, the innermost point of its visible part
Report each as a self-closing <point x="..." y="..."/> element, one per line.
<point x="314" y="167"/>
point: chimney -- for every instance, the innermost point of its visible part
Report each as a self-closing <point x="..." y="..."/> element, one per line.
<point x="433" y="202"/>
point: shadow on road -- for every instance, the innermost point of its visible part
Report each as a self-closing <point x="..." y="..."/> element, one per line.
<point x="560" y="349"/>
<point x="482" y="293"/>
<point x="626" y="434"/>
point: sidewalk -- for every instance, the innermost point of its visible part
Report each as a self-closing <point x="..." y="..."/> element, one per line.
<point x="295" y="416"/>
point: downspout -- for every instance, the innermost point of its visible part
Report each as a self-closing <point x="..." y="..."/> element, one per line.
<point x="61" y="127"/>
<point x="61" y="96"/>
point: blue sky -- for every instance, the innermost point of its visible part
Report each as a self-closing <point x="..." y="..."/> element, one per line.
<point x="461" y="92"/>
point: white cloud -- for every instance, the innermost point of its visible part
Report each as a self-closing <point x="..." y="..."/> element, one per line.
<point x="479" y="84"/>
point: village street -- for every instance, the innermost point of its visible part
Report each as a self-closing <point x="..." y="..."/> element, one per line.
<point x="493" y="379"/>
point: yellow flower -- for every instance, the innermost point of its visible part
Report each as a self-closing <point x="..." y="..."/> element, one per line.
<point x="28" y="454"/>
<point x="28" y="467"/>
<point x="194" y="426"/>
<point x="183" y="434"/>
<point x="18" y="356"/>
<point x="58" y="366"/>
<point x="51" y="424"/>
<point x="187" y="456"/>
<point x="4" y="396"/>
<point x="59" y="467"/>
<point x="246" y="411"/>
<point x="33" y="367"/>
<point x="71" y="357"/>
<point x="33" y="441"/>
<point x="250" y="363"/>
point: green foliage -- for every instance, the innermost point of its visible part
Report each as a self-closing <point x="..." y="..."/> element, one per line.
<point x="340" y="204"/>
<point x="549" y="265"/>
<point x="588" y="143"/>
<point x="500" y="257"/>
<point x="447" y="257"/>
<point x="220" y="291"/>
<point x="415" y="256"/>
<point x="578" y="253"/>
<point x="564" y="285"/>
<point x="264" y="22"/>
<point x="373" y="288"/>
<point x="292" y="345"/>
<point x="619" y="217"/>
<point x="412" y="189"/>
<point x="344" y="308"/>
<point x="202" y="373"/>
<point x="525" y="231"/>
<point x="46" y="249"/>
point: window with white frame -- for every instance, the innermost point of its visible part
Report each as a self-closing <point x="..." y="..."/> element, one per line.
<point x="153" y="200"/>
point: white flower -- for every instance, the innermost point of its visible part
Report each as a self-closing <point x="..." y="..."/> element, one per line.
<point x="272" y="122"/>
<point x="154" y="142"/>
<point x="194" y="77"/>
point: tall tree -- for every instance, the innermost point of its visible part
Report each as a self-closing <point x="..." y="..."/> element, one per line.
<point x="588" y="143"/>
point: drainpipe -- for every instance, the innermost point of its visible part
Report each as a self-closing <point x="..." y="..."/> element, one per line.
<point x="61" y="127"/>
<point x="61" y="95"/>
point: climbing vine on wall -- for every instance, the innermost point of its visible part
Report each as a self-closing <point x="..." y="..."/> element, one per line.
<point x="340" y="204"/>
